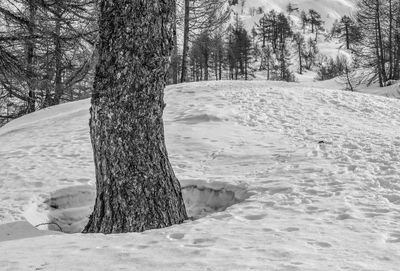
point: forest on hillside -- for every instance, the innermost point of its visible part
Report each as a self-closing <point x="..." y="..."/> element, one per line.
<point x="48" y="48"/>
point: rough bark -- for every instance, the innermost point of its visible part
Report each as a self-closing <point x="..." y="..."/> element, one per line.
<point x="136" y="186"/>
<point x="390" y="43"/>
<point x="185" y="52"/>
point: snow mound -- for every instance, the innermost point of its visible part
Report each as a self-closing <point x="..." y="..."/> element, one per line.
<point x="194" y="119"/>
<point x="201" y="201"/>
<point x="20" y="230"/>
<point x="68" y="209"/>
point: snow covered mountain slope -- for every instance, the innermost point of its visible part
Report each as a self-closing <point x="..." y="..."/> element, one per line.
<point x="322" y="168"/>
<point x="330" y="10"/>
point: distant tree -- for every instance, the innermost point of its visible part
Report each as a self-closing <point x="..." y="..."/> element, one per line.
<point x="284" y="30"/>
<point x="348" y="77"/>
<point x="47" y="48"/>
<point x="372" y="49"/>
<point x="217" y="52"/>
<point x="267" y="60"/>
<point x="239" y="51"/>
<point x="347" y="30"/>
<point x="304" y="20"/>
<point x="329" y="68"/>
<point x="254" y="43"/>
<point x="315" y="20"/>
<point x="290" y="8"/>
<point x="263" y="29"/>
<point x="284" y="73"/>
<point x="200" y="16"/>
<point x="201" y="53"/>
<point x="299" y="49"/>
<point x="310" y="53"/>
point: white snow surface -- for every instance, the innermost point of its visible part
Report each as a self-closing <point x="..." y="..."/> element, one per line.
<point x="322" y="168"/>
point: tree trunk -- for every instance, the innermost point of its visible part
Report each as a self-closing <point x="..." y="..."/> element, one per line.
<point x="220" y="67"/>
<point x="175" y="58"/>
<point x="378" y="58"/>
<point x="380" y="43"/>
<point x="136" y="187"/>
<point x="300" y="59"/>
<point x="58" y="90"/>
<point x="30" y="51"/>
<point x="185" y="51"/>
<point x="347" y="36"/>
<point x="206" y="74"/>
<point x="390" y="49"/>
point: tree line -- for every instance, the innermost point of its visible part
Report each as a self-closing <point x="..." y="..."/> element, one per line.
<point x="378" y="48"/>
<point x="45" y="53"/>
<point x="372" y="36"/>
<point x="47" y="47"/>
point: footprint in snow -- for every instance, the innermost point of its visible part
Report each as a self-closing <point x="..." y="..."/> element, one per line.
<point x="176" y="236"/>
<point x="255" y="217"/>
<point x="344" y="217"/>
<point x="292" y="229"/>
<point x="394" y="238"/>
<point x="201" y="243"/>
<point x="320" y="244"/>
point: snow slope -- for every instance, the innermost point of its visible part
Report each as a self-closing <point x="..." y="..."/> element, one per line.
<point x="330" y="10"/>
<point x="322" y="168"/>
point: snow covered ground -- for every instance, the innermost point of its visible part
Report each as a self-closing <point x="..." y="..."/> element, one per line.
<point x="314" y="174"/>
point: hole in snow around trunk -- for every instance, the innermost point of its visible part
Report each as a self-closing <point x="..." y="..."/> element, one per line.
<point x="69" y="208"/>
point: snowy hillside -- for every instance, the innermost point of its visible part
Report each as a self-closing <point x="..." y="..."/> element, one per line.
<point x="330" y="10"/>
<point x="312" y="173"/>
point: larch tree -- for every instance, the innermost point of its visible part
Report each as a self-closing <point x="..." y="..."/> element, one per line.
<point x="47" y="47"/>
<point x="200" y="16"/>
<point x="299" y="40"/>
<point x="347" y="31"/>
<point x="371" y="51"/>
<point x="136" y="186"/>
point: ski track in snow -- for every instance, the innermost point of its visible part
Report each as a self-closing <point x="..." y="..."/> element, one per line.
<point x="323" y="167"/>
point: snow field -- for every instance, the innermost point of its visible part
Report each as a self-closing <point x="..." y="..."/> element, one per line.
<point x="321" y="168"/>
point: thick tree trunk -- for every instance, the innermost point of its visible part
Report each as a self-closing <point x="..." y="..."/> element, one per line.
<point x="390" y="47"/>
<point x="185" y="51"/>
<point x="136" y="186"/>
